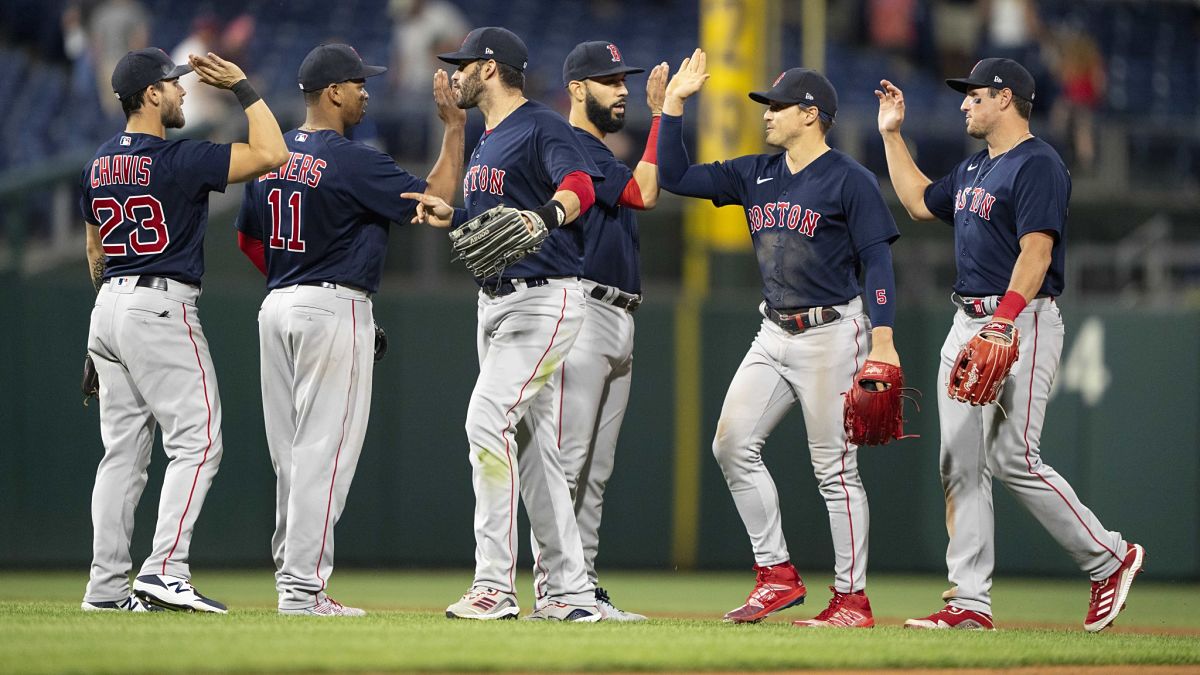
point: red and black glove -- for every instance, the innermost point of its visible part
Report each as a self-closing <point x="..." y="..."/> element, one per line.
<point x="873" y="409"/>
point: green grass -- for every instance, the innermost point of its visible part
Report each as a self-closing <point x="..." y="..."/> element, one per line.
<point x="42" y="629"/>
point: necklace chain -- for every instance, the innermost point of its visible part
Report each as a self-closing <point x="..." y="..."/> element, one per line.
<point x="981" y="175"/>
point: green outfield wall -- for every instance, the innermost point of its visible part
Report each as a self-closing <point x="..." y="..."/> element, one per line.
<point x="1122" y="428"/>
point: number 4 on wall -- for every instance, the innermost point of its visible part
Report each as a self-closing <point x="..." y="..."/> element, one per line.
<point x="1083" y="370"/>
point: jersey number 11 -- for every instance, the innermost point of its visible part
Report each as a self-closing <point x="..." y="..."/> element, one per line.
<point x="294" y="243"/>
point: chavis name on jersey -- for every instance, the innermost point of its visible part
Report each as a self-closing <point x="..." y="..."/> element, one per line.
<point x="121" y="170"/>
<point x="482" y="178"/>
<point x="783" y="214"/>
<point x="981" y="201"/>
<point x="301" y="167"/>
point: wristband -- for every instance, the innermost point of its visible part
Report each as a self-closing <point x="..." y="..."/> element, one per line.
<point x="552" y="213"/>
<point x="245" y="93"/>
<point x="650" y="156"/>
<point x="1010" y="306"/>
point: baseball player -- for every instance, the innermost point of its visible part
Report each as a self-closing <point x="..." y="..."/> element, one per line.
<point x="145" y="200"/>
<point x="529" y="316"/>
<point x="317" y="227"/>
<point x="1008" y="207"/>
<point x="593" y="384"/>
<point x="815" y="217"/>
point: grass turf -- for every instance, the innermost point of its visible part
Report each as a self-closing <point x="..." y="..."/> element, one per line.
<point x="43" y="630"/>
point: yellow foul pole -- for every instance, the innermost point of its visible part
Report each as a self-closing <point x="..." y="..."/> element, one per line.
<point x="740" y="38"/>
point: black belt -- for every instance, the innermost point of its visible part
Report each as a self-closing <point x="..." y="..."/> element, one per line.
<point x="617" y="298"/>
<point x="332" y="286"/>
<point x="796" y="321"/>
<point x="507" y="287"/>
<point x="158" y="283"/>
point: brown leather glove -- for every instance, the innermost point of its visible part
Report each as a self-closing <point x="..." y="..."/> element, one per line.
<point x="983" y="364"/>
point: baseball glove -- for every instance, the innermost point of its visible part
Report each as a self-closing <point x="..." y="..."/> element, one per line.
<point x="873" y="409"/>
<point x="496" y="239"/>
<point x="979" y="372"/>
<point x="91" y="381"/>
<point x="380" y="343"/>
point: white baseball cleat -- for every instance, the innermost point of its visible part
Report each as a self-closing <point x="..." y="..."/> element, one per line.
<point x="174" y="593"/>
<point x="561" y="611"/>
<point x="483" y="603"/>
<point x="129" y="604"/>
<point x="609" y="612"/>
<point x="326" y="607"/>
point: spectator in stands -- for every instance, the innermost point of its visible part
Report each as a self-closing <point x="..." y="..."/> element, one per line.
<point x="1013" y="27"/>
<point x="206" y="106"/>
<point x="957" y="24"/>
<point x="421" y="30"/>
<point x="1081" y="72"/>
<point x="902" y="28"/>
<point x="114" y="28"/>
<point x="76" y="46"/>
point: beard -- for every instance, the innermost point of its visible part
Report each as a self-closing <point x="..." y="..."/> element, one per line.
<point x="603" y="117"/>
<point x="172" y="116"/>
<point x="469" y="90"/>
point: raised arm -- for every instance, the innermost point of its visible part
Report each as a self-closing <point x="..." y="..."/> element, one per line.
<point x="645" y="174"/>
<point x="444" y="177"/>
<point x="907" y="179"/>
<point x="676" y="173"/>
<point x="266" y="148"/>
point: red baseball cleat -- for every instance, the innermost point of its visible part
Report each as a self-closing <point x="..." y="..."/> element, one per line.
<point x="954" y="617"/>
<point x="845" y="610"/>
<point x="1108" y="596"/>
<point x="778" y="587"/>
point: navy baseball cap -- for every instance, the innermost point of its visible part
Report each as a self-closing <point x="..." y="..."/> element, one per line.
<point x="142" y="68"/>
<point x="333" y="63"/>
<point x="594" y="59"/>
<point x="998" y="73"/>
<point x="491" y="42"/>
<point x="801" y="85"/>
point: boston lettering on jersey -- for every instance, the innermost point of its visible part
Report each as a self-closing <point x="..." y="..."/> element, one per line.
<point x="301" y="167"/>
<point x="121" y="170"/>
<point x="783" y="214"/>
<point x="981" y="201"/>
<point x="486" y="179"/>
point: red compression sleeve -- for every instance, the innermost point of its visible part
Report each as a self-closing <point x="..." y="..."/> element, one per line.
<point x="581" y="184"/>
<point x="651" y="153"/>
<point x="1010" y="306"/>
<point x="631" y="196"/>
<point x="253" y="248"/>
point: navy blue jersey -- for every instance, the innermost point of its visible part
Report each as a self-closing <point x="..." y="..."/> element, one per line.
<point x="807" y="227"/>
<point x="992" y="203"/>
<point x="610" y="247"/>
<point x="520" y="164"/>
<point x="150" y="198"/>
<point x="324" y="214"/>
